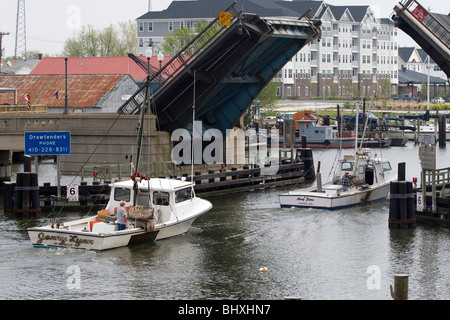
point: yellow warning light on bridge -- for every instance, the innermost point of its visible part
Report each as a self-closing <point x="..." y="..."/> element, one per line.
<point x="224" y="18"/>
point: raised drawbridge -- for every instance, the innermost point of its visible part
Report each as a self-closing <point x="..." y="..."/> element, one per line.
<point x="430" y="30"/>
<point x="229" y="65"/>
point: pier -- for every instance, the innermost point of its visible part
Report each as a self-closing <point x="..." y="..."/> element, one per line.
<point x="212" y="183"/>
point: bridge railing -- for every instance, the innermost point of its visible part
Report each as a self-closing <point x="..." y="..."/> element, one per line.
<point x="187" y="54"/>
<point x="428" y="21"/>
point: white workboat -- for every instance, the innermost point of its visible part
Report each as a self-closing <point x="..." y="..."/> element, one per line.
<point x="369" y="181"/>
<point x="164" y="208"/>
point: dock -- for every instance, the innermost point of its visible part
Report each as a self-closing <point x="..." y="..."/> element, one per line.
<point x="207" y="184"/>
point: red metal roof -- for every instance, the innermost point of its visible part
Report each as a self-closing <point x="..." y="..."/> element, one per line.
<point x="96" y="65"/>
<point x="84" y="90"/>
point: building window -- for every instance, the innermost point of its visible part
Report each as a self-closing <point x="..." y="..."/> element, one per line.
<point x="170" y="25"/>
<point x="150" y="27"/>
<point x="141" y="26"/>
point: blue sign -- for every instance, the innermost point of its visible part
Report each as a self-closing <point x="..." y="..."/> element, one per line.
<point x="47" y="143"/>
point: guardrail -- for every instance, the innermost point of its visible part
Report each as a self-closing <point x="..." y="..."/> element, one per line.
<point x="428" y="21"/>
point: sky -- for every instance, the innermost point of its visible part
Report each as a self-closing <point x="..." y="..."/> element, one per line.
<point x="51" y="22"/>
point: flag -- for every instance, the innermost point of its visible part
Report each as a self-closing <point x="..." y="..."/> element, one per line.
<point x="56" y="95"/>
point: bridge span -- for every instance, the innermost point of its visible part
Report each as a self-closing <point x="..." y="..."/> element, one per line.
<point x="429" y="29"/>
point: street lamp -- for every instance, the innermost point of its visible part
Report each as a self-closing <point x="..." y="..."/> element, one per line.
<point x="160" y="58"/>
<point x="66" y="103"/>
<point x="148" y="54"/>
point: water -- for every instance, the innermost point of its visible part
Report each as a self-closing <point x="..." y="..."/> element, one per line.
<point x="310" y="254"/>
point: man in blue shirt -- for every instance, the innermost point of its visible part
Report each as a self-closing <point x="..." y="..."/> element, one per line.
<point x="121" y="216"/>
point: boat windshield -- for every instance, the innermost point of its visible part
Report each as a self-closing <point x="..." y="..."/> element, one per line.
<point x="122" y="194"/>
<point x="387" y="166"/>
<point x="161" y="198"/>
<point x="183" y="195"/>
<point x="346" y="166"/>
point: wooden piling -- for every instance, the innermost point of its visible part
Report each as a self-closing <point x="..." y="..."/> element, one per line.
<point x="400" y="290"/>
<point x="402" y="209"/>
<point x="442" y="131"/>
<point x="26" y="191"/>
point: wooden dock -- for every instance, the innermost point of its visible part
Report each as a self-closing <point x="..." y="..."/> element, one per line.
<point x="434" y="204"/>
<point x="212" y="183"/>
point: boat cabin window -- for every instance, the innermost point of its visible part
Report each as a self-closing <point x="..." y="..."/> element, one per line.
<point x="122" y="194"/>
<point x="183" y="195"/>
<point x="161" y="198"/>
<point x="346" y="166"/>
<point x="387" y="166"/>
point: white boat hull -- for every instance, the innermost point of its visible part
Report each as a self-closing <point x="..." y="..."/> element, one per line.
<point x="181" y="226"/>
<point x="66" y="237"/>
<point x="319" y="200"/>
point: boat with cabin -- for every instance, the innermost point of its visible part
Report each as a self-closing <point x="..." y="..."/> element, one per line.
<point x="359" y="178"/>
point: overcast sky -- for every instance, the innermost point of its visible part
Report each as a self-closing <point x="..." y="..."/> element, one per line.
<point x="51" y="22"/>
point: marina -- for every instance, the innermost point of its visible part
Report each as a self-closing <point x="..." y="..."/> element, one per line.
<point x="310" y="254"/>
<point x="183" y="198"/>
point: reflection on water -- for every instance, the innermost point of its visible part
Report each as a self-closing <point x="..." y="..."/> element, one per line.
<point x="311" y="254"/>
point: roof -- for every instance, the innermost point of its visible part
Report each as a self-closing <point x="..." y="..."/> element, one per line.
<point x="210" y="8"/>
<point x="95" y="65"/>
<point x="408" y="76"/>
<point x="20" y="66"/>
<point x="405" y="53"/>
<point x="84" y="90"/>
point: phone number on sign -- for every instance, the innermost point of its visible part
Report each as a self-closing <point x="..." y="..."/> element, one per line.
<point x="47" y="149"/>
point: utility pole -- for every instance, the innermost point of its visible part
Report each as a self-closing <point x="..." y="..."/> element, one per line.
<point x="1" y="48"/>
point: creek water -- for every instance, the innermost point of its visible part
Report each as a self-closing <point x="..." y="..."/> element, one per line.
<point x="310" y="254"/>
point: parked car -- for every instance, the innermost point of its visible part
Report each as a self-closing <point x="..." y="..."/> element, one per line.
<point x="438" y="100"/>
<point x="405" y="97"/>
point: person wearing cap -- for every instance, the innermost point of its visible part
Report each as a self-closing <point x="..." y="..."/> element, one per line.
<point x="121" y="216"/>
<point x="345" y="181"/>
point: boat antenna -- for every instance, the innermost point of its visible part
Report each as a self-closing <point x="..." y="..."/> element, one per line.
<point x="146" y="104"/>
<point x="356" y="126"/>
<point x="193" y="131"/>
<point x="367" y="120"/>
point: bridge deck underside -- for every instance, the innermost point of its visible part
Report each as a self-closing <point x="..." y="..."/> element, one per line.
<point x="230" y="73"/>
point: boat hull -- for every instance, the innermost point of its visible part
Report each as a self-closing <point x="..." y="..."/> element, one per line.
<point x="318" y="200"/>
<point x="179" y="227"/>
<point x="48" y="237"/>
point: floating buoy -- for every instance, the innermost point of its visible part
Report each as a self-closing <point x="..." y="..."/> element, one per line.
<point x="263" y="269"/>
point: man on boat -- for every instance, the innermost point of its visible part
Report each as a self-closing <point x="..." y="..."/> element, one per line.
<point x="346" y="181"/>
<point x="121" y="216"/>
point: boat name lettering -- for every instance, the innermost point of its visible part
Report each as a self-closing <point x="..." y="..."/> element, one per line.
<point x="305" y="199"/>
<point x="64" y="240"/>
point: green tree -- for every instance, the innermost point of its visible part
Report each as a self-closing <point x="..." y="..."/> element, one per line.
<point x="175" y="41"/>
<point x="266" y="100"/>
<point x="110" y="41"/>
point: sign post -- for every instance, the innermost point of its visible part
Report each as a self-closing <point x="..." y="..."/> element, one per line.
<point x="427" y="156"/>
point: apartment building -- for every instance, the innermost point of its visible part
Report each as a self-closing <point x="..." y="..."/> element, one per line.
<point x="356" y="55"/>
